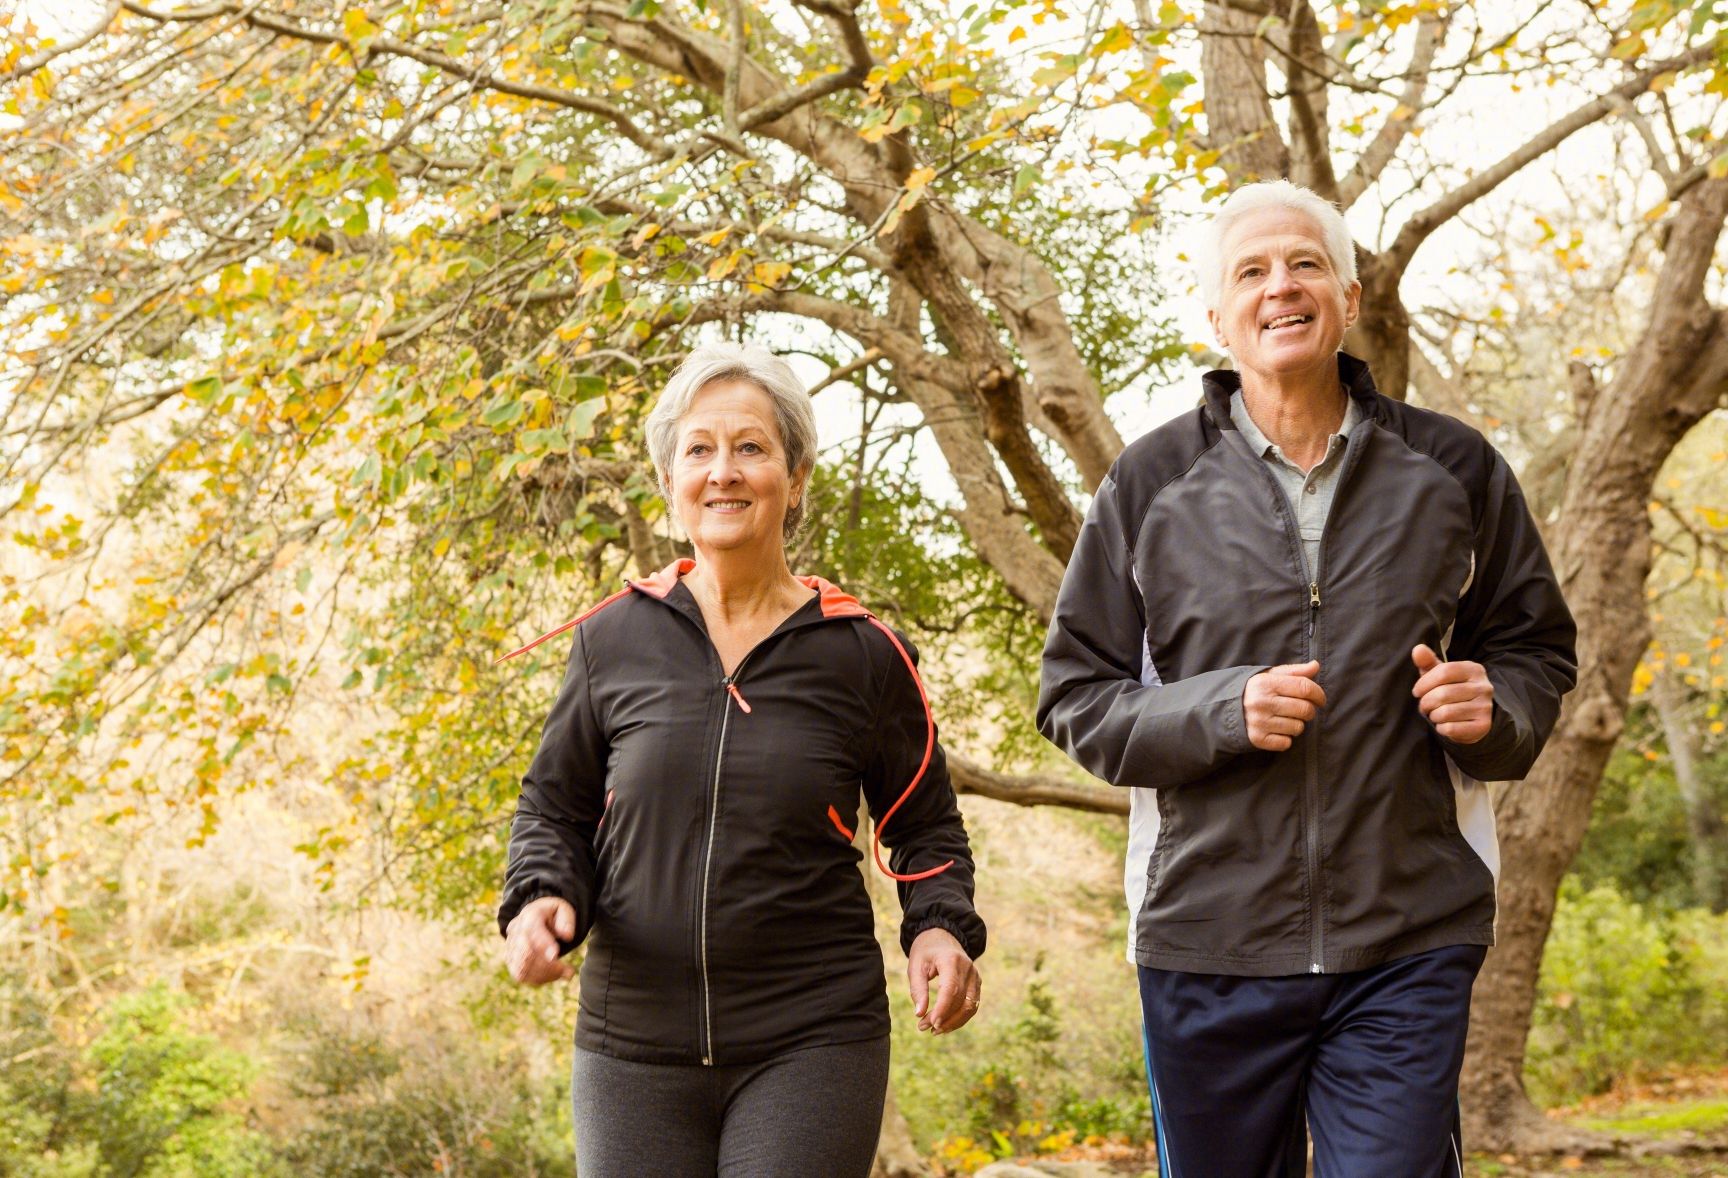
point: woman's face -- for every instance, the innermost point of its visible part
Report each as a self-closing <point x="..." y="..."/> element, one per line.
<point x="1282" y="308"/>
<point x="731" y="484"/>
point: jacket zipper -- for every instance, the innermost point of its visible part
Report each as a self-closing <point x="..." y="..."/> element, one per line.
<point x="1311" y="758"/>
<point x="1311" y="795"/>
<point x="729" y="684"/>
<point x="1312" y="792"/>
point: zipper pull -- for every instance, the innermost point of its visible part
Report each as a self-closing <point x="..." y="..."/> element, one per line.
<point x="1313" y="605"/>
<point x="737" y="695"/>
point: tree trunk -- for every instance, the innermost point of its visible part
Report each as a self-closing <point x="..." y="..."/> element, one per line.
<point x="1670" y="380"/>
<point x="1708" y="846"/>
<point x="1381" y="335"/>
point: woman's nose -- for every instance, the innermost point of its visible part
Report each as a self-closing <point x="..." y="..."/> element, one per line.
<point x="722" y="471"/>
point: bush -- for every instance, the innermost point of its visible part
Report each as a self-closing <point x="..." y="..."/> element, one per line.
<point x="146" y="1099"/>
<point x="1022" y="1097"/>
<point x="439" y="1104"/>
<point x="1626" y="990"/>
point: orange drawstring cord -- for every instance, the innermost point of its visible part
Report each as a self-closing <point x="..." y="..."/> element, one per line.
<point x="575" y="621"/>
<point x="929" y="748"/>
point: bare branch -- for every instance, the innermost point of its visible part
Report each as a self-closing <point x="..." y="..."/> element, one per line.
<point x="31" y="64"/>
<point x="1379" y="153"/>
<point x="1418" y="228"/>
<point x="391" y="47"/>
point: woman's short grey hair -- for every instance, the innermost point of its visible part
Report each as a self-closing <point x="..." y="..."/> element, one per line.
<point x="794" y="415"/>
<point x="1271" y="194"/>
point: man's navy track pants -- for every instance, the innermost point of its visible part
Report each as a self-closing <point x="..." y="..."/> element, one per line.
<point x="1371" y="1058"/>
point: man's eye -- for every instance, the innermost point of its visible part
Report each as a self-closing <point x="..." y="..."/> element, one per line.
<point x="1249" y="272"/>
<point x="1309" y="262"/>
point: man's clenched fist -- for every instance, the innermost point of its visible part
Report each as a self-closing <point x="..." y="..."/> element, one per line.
<point x="1456" y="697"/>
<point x="531" y="941"/>
<point x="1280" y="702"/>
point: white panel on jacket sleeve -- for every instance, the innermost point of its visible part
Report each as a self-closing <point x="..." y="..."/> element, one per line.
<point x="1143" y="822"/>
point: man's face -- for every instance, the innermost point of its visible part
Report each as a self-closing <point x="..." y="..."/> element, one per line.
<point x="1282" y="308"/>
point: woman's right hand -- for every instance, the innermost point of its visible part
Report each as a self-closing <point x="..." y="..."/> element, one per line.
<point x="531" y="941"/>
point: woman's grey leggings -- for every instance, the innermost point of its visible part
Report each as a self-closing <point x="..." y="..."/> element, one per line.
<point x="817" y="1111"/>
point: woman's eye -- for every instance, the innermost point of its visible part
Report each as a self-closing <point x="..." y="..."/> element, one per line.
<point x="696" y="448"/>
<point x="750" y="448"/>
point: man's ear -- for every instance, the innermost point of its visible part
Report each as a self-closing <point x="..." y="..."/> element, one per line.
<point x="1217" y="322"/>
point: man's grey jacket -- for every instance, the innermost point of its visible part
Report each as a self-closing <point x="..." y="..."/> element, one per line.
<point x="1371" y="838"/>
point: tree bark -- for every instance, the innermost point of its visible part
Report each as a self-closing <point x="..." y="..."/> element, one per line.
<point x="1381" y="335"/>
<point x="1239" y="121"/>
<point x="1602" y="552"/>
<point x="1708" y="845"/>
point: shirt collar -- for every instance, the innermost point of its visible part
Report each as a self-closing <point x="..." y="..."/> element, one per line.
<point x="1265" y="447"/>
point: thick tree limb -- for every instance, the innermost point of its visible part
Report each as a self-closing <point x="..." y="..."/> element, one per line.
<point x="1036" y="789"/>
<point x="1310" y="132"/>
<point x="1239" y="122"/>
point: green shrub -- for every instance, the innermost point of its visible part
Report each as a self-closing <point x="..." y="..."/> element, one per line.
<point x="1626" y="990"/>
<point x="436" y="1105"/>
<point x="164" y="1096"/>
<point x="1024" y="1092"/>
<point x="145" y="1099"/>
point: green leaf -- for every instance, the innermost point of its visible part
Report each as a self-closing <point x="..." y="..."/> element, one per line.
<point x="1026" y="179"/>
<point x="503" y="416"/>
<point x="537" y="441"/>
<point x="303" y="580"/>
<point x="582" y="416"/>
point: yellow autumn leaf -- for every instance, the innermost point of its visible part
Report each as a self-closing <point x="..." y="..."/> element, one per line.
<point x="770" y="273"/>
<point x="1115" y="41"/>
<point x="721" y="267"/>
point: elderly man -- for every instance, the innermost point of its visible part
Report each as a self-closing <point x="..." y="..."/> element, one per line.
<point x="1304" y="622"/>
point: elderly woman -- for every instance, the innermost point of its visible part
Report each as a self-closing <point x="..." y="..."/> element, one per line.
<point x="691" y="810"/>
<point x="1307" y="621"/>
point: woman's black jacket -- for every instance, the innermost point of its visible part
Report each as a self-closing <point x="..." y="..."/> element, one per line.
<point x="700" y="825"/>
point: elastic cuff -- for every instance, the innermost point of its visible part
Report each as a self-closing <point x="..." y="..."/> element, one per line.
<point x="909" y="933"/>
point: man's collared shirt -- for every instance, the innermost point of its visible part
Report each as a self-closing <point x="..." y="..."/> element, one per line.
<point x="1309" y="493"/>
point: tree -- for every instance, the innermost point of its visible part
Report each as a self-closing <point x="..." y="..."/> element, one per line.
<point x="371" y="301"/>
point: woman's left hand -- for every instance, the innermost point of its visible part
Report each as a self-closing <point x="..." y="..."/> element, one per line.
<point x="937" y="955"/>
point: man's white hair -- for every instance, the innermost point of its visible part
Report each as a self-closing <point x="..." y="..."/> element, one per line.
<point x="1271" y="194"/>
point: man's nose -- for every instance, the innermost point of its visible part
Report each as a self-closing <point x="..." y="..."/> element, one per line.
<point x="1282" y="280"/>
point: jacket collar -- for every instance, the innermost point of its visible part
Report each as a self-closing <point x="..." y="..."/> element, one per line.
<point x="1353" y="374"/>
<point x="835" y="602"/>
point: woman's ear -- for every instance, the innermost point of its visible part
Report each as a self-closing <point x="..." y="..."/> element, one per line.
<point x="800" y="483"/>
